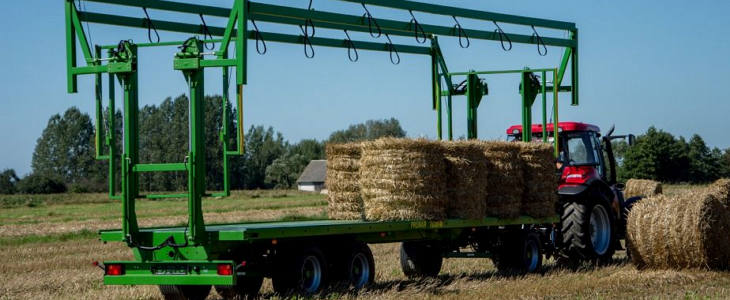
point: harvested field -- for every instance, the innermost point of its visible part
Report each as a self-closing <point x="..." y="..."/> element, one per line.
<point x="403" y="179"/>
<point x="466" y="180"/>
<point x="642" y="187"/>
<point x="505" y="181"/>
<point x="541" y="181"/>
<point x="343" y="187"/>
<point x="73" y="277"/>
<point x="683" y="231"/>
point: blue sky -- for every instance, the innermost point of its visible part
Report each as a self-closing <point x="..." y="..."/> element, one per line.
<point x="641" y="64"/>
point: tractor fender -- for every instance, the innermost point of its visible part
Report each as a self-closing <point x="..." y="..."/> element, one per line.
<point x="589" y="189"/>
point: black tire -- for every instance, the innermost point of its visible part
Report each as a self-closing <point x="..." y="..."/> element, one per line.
<point x="583" y="240"/>
<point x="245" y="288"/>
<point x="520" y="254"/>
<point x="184" y="292"/>
<point x="418" y="259"/>
<point x="360" y="266"/>
<point x="303" y="273"/>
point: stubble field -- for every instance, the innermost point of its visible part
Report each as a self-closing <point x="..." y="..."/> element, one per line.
<point x="47" y="244"/>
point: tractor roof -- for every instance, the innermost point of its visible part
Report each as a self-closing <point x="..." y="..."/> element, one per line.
<point x="563" y="126"/>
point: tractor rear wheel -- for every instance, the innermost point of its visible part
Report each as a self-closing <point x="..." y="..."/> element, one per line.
<point x="588" y="230"/>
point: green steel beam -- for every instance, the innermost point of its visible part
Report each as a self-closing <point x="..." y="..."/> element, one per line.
<point x="108" y="19"/>
<point x="72" y="79"/>
<point x="164" y="167"/>
<point x="171" y="6"/>
<point x="467" y="13"/>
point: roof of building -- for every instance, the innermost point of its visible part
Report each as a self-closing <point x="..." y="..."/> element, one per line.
<point x="315" y="172"/>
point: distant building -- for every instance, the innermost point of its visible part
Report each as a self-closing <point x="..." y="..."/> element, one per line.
<point x="312" y="178"/>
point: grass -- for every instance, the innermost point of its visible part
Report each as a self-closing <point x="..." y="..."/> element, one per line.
<point x="51" y="258"/>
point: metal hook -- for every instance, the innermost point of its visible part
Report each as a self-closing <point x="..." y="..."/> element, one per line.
<point x="371" y="21"/>
<point x="416" y="28"/>
<point x="502" y="37"/>
<point x="150" y="27"/>
<point x="259" y="39"/>
<point x="307" y="42"/>
<point x="462" y="33"/>
<point x="308" y="22"/>
<point x="392" y="49"/>
<point x="540" y="42"/>
<point x="206" y="35"/>
<point x="351" y="48"/>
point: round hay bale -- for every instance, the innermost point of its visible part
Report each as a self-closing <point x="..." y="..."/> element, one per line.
<point x="642" y="187"/>
<point x="687" y="231"/>
<point x="403" y="179"/>
<point x="505" y="181"/>
<point x="721" y="189"/>
<point x="343" y="176"/>
<point x="466" y="180"/>
<point x="541" y="179"/>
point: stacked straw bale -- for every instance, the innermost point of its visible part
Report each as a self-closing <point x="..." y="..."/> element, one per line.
<point x="686" y="231"/>
<point x="343" y="176"/>
<point x="505" y="180"/>
<point x="541" y="181"/>
<point x="402" y="179"/>
<point x="466" y="179"/>
<point x="642" y="187"/>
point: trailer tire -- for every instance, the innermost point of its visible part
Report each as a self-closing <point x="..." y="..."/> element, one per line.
<point x="520" y="255"/>
<point x="419" y="259"/>
<point x="304" y="273"/>
<point x="185" y="292"/>
<point x="245" y="288"/>
<point x="588" y="230"/>
<point x="360" y="266"/>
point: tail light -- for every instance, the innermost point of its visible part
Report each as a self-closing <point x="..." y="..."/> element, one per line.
<point x="577" y="174"/>
<point x="225" y="269"/>
<point x="114" y="270"/>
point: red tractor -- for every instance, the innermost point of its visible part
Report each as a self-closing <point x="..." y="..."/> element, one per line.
<point x="590" y="198"/>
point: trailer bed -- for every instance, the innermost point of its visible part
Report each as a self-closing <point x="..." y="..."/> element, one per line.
<point x="302" y="229"/>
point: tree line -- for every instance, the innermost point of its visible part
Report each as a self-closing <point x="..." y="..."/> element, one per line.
<point x="63" y="159"/>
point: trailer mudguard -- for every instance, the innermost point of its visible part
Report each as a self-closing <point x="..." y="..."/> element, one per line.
<point x="169" y="273"/>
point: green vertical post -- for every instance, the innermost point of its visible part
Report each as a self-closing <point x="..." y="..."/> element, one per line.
<point x="98" y="130"/>
<point x="224" y="135"/>
<point x="526" y="109"/>
<point x="448" y="116"/>
<point x="111" y="137"/>
<point x="71" y="81"/>
<point x="241" y="51"/>
<point x="436" y="92"/>
<point x="574" y="69"/>
<point x="544" y="108"/>
<point x="130" y="156"/>
<point x="472" y="95"/>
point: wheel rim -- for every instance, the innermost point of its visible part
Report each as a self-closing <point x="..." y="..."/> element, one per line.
<point x="311" y="274"/>
<point x="359" y="271"/>
<point x="600" y="229"/>
<point x="532" y="255"/>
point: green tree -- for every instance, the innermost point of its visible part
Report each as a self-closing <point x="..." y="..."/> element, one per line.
<point x="284" y="171"/>
<point x="262" y="147"/>
<point x="725" y="163"/>
<point x="704" y="164"/>
<point x="65" y="150"/>
<point x="370" y="130"/>
<point x="657" y="155"/>
<point x="41" y="184"/>
<point x="8" y="181"/>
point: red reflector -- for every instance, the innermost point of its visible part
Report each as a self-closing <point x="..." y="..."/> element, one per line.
<point x="114" y="270"/>
<point x="225" y="269"/>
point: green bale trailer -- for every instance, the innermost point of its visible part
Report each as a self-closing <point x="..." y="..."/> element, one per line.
<point x="303" y="256"/>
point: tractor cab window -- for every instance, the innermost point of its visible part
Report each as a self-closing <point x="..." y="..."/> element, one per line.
<point x="583" y="150"/>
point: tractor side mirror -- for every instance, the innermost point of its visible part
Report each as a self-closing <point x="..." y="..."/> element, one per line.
<point x="632" y="139"/>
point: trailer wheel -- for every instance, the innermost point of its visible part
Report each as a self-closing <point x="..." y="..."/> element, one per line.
<point x="361" y="266"/>
<point x="301" y="273"/>
<point x="245" y="288"/>
<point x="418" y="259"/>
<point x="185" y="292"/>
<point x="588" y="230"/>
<point x="520" y="255"/>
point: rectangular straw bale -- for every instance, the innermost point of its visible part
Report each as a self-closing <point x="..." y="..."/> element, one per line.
<point x="466" y="178"/>
<point x="683" y="231"/>
<point x="403" y="179"/>
<point x="642" y="187"/>
<point x="541" y="179"/>
<point x="505" y="182"/>
<point x="343" y="175"/>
